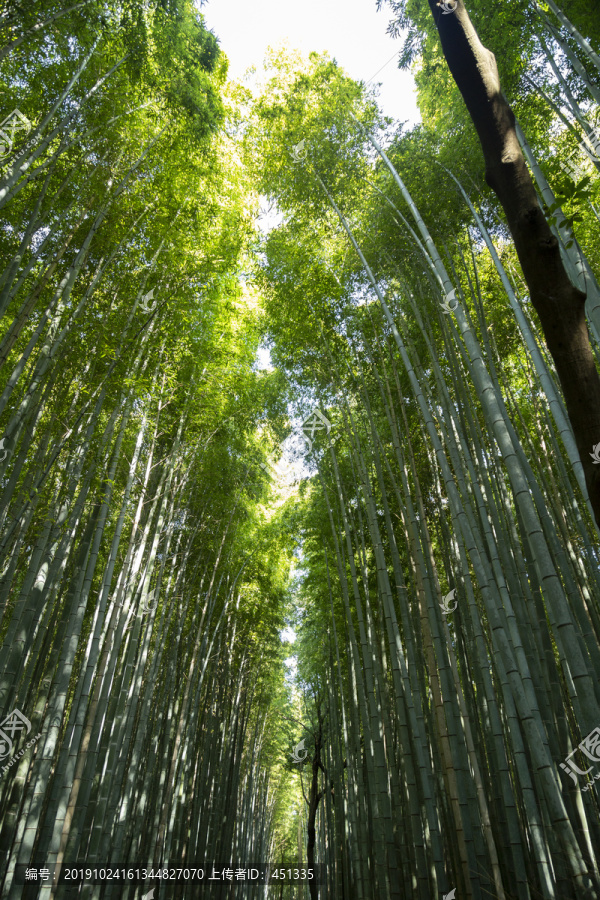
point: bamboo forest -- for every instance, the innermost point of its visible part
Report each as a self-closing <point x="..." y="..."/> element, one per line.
<point x="299" y="459"/>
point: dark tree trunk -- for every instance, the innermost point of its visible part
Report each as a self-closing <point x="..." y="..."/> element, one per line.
<point x="314" y="798"/>
<point x="558" y="303"/>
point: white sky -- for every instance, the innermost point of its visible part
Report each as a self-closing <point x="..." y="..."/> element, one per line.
<point x="351" y="31"/>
